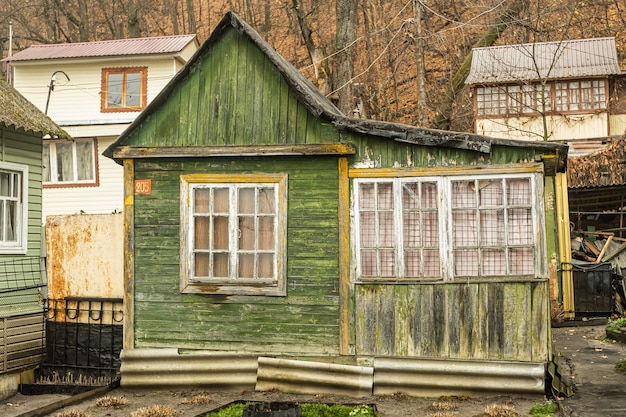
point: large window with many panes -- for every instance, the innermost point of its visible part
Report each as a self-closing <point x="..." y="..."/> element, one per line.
<point x="233" y="233"/>
<point x="554" y="97"/>
<point x="448" y="227"/>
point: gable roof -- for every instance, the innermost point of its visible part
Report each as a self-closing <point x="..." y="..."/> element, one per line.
<point x="544" y="60"/>
<point x="320" y="106"/>
<point x="119" y="47"/>
<point x="20" y="113"/>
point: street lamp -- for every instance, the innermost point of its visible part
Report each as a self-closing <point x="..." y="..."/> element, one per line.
<point x="53" y="78"/>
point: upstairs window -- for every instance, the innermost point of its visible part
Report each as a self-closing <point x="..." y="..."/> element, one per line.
<point x="124" y="89"/>
<point x="561" y="97"/>
<point x="13" y="208"/>
<point x="233" y="234"/>
<point x="69" y="162"/>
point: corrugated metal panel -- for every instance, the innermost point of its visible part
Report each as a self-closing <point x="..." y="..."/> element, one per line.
<point x="168" y="367"/>
<point x="118" y="47"/>
<point x="432" y="377"/>
<point x="544" y="60"/>
<point x="302" y="377"/>
<point x="22" y="342"/>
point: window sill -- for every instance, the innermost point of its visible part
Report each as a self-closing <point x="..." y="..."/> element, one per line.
<point x="221" y="289"/>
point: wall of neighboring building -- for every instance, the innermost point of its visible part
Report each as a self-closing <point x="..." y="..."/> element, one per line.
<point x="106" y="197"/>
<point x="22" y="275"/>
<point x="77" y="101"/>
<point x="560" y="128"/>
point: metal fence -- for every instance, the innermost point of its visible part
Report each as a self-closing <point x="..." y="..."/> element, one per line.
<point x="84" y="338"/>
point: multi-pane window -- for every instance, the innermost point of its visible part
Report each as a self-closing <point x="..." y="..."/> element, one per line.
<point x="13" y="208"/>
<point x="492" y="227"/>
<point x="124" y="89"/>
<point x="235" y="235"/>
<point x="560" y="96"/>
<point x="580" y="95"/>
<point x="398" y="233"/>
<point x="69" y="162"/>
<point x="449" y="227"/>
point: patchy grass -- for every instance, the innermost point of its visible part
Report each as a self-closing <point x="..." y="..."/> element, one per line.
<point x="441" y="414"/>
<point x="547" y="409"/>
<point x="72" y="413"/>
<point x="154" y="411"/>
<point x="616" y="325"/>
<point x="308" y="410"/>
<point x="111" y="401"/>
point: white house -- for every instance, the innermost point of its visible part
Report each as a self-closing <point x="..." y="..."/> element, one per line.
<point x="570" y="91"/>
<point x="93" y="90"/>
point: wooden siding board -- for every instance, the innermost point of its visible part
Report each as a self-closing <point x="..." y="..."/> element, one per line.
<point x="259" y="91"/>
<point x="452" y="320"/>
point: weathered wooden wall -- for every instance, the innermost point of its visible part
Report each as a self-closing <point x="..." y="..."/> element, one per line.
<point x="462" y="320"/>
<point x="305" y="321"/>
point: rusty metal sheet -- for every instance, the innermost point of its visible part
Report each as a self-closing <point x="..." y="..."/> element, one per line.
<point x="85" y="255"/>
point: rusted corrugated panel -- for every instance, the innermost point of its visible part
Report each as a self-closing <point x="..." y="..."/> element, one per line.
<point x="168" y="367"/>
<point x="432" y="377"/>
<point x="303" y="377"/>
<point x="595" y="57"/>
<point x="118" y="47"/>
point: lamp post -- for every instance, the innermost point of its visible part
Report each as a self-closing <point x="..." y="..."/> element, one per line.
<point x="53" y="78"/>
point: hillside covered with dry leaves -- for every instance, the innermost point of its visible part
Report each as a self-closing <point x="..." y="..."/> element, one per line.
<point x="398" y="60"/>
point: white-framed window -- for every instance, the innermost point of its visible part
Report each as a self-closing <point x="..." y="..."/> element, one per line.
<point x="233" y="234"/>
<point x="13" y="208"/>
<point x="69" y="162"/>
<point x="450" y="227"/>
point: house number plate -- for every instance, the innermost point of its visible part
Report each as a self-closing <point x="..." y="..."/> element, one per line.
<point x="143" y="186"/>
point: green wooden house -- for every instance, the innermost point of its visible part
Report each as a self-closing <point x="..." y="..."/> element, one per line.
<point x="272" y="242"/>
<point x="22" y="270"/>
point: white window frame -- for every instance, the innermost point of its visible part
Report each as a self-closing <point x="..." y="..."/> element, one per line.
<point x="52" y="167"/>
<point x="20" y="244"/>
<point x="189" y="283"/>
<point x="446" y="235"/>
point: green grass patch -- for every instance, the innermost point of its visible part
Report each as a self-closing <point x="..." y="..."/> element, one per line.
<point x="547" y="409"/>
<point x="308" y="410"/>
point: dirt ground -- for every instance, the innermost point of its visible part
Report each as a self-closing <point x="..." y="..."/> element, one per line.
<point x="197" y="403"/>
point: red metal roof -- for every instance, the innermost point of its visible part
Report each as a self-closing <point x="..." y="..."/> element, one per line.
<point x="119" y="47"/>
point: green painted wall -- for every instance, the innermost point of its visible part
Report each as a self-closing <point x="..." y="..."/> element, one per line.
<point x="17" y="270"/>
<point x="305" y="321"/>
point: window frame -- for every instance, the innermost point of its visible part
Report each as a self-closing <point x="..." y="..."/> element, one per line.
<point x="54" y="168"/>
<point x="275" y="286"/>
<point x="446" y="232"/>
<point x="20" y="245"/>
<point x="124" y="71"/>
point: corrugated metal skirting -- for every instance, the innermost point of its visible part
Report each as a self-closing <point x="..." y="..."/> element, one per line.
<point x="168" y="367"/>
<point x="415" y="377"/>
<point x="303" y="377"/>
<point x="435" y="377"/>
